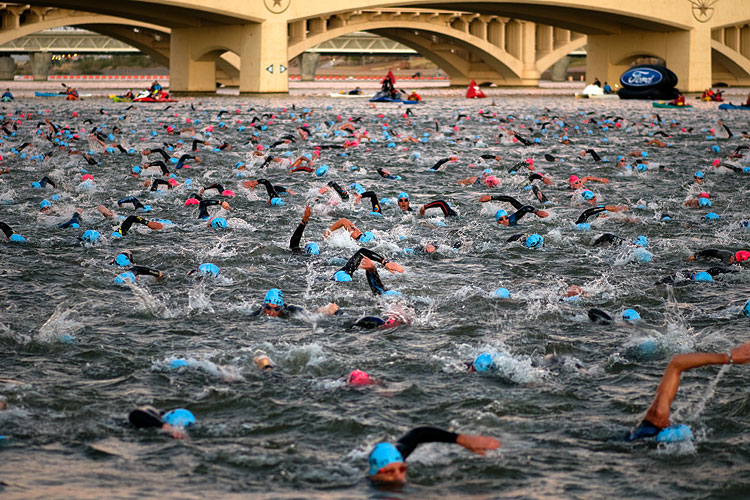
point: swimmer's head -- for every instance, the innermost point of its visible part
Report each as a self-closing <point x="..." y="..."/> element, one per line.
<point x="91" y="236"/>
<point x="587" y="195"/>
<point x="208" y="269"/>
<point x="312" y="248"/>
<point x="482" y="363"/>
<point x="704" y="202"/>
<point x="583" y="226"/>
<point x="179" y="417"/>
<point x="501" y="214"/>
<point x="274" y="302"/>
<point x="698" y="177"/>
<point x="219" y="222"/>
<point x="277" y="202"/>
<point x="403" y="201"/>
<point x="711" y="216"/>
<point x="741" y="256"/>
<point x="534" y="241"/>
<point x="573" y="180"/>
<point x="701" y="276"/>
<point x="45" y="205"/>
<point x="492" y="181"/>
<point x="641" y="241"/>
<point x="342" y="276"/>
<point x="123" y="259"/>
<point x="386" y="464"/>
<point x="630" y="315"/>
<point x="502" y="293"/>
<point x="746" y="309"/>
<point x="366" y="236"/>
<point x="359" y="377"/>
<point x="16" y="238"/>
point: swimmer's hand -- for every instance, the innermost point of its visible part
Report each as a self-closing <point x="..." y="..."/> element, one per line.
<point x="329" y="310"/>
<point x="741" y="354"/>
<point x="691" y="258"/>
<point x="155" y="225"/>
<point x="485" y="198"/>
<point x="393" y="267"/>
<point x="250" y="185"/>
<point x="477" y="444"/>
<point x="542" y="213"/>
<point x="323" y="190"/>
<point x="326" y="233"/>
<point x="306" y="215"/>
<point x="226" y="206"/>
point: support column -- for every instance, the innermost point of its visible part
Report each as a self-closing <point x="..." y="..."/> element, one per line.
<point x="7" y="68"/>
<point x="544" y="40"/>
<point x="687" y="53"/>
<point x="40" y="62"/>
<point x="308" y="65"/>
<point x="559" y="70"/>
<point x="264" y="58"/>
<point x="530" y="74"/>
<point x="191" y="70"/>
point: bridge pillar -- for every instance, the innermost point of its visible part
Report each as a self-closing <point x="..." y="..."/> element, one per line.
<point x="40" y="62"/>
<point x="530" y="74"/>
<point x="308" y="65"/>
<point x="261" y="47"/>
<point x="559" y="69"/>
<point x="7" y="68"/>
<point x="687" y="53"/>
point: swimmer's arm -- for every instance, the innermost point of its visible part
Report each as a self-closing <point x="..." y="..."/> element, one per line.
<point x="439" y="204"/>
<point x="615" y="208"/>
<point x="297" y="236"/>
<point x="603" y="180"/>
<point x="712" y="253"/>
<point x="468" y="181"/>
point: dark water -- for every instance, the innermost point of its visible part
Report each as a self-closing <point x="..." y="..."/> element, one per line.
<point x="77" y="352"/>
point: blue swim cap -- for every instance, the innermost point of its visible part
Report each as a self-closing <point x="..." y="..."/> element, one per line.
<point x="146" y="208"/>
<point x="403" y="194"/>
<point x="55" y="197"/>
<point x="382" y="455"/>
<point x="392" y="292"/>
<point x="342" y="276"/>
<point x="17" y="238"/>
<point x="483" y="362"/>
<point x="312" y="248"/>
<point x="321" y="171"/>
<point x="641" y="241"/>
<point x="36" y="185"/>
<point x="91" y="236"/>
<point x="500" y="213"/>
<point x="583" y="226"/>
<point x="746" y="170"/>
<point x="367" y="236"/>
<point x="45" y="204"/>
<point x="208" y="269"/>
<point x="487" y="171"/>
<point x="136" y="169"/>
<point x="376" y="214"/>
<point x="179" y="417"/>
<point x="715" y="148"/>
<point x="630" y="315"/>
<point x="587" y="195"/>
<point x="173" y="160"/>
<point x="699" y="175"/>
<point x="701" y="276"/>
<point x="116" y="234"/>
<point x="704" y="202"/>
<point x="277" y="202"/>
<point x="746" y="310"/>
<point x="642" y="255"/>
<point x="642" y="167"/>
<point x="357" y="187"/>
<point x="274" y="296"/>
<point x="177" y="363"/>
<point x="122" y="260"/>
<point x="644" y="154"/>
<point x="534" y="241"/>
<point x="711" y="216"/>
<point x="219" y="222"/>
<point x="125" y="277"/>
<point x="674" y="434"/>
<point x="502" y="293"/>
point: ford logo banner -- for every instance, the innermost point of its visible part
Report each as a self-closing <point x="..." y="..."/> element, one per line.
<point x="641" y="77"/>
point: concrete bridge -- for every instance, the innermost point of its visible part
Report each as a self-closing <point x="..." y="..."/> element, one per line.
<point x="508" y="42"/>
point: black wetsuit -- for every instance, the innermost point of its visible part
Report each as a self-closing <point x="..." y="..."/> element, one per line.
<point x="217" y="187"/>
<point x="521" y="209"/>
<point x="46" y="180"/>
<point x="409" y="442"/>
<point x="373" y="199"/>
<point x="590" y="213"/>
<point x="297" y="237"/>
<point x="608" y="239"/>
<point x="75" y="219"/>
<point x="203" y="207"/>
<point x="131" y="199"/>
<point x="145" y="271"/>
<point x="373" y="279"/>
<point x="713" y="253"/>
<point x="440" y="163"/>
<point x="447" y="210"/>
<point x="386" y="176"/>
<point x="133" y="219"/>
<point x="5" y="228"/>
<point x="159" y="182"/>
<point x="270" y="189"/>
<point x="594" y="155"/>
<point x="339" y="190"/>
<point x="161" y="165"/>
<point x="183" y="159"/>
<point x="161" y="152"/>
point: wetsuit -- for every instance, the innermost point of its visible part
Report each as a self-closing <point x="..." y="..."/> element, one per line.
<point x="373" y="279"/>
<point x="447" y="211"/>
<point x="161" y="165"/>
<point x="386" y="176"/>
<point x="270" y="189"/>
<point x="75" y="219"/>
<point x="217" y="187"/>
<point x="183" y="159"/>
<point x="46" y="180"/>
<point x="297" y="237"/>
<point x="713" y="253"/>
<point x="440" y="163"/>
<point x="161" y="152"/>
<point x="608" y="239"/>
<point x="590" y="213"/>
<point x="521" y="209"/>
<point x="145" y="271"/>
<point x="203" y="207"/>
<point x="594" y="155"/>
<point x="195" y="144"/>
<point x="131" y="199"/>
<point x="539" y="195"/>
<point x="373" y="199"/>
<point x="159" y="182"/>
<point x="409" y="442"/>
<point x="5" y="228"/>
<point x="339" y="190"/>
<point x="133" y="219"/>
<point x="146" y="417"/>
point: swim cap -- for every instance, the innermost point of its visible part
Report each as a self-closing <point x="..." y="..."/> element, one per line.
<point x="358" y="377"/>
<point x="487" y="171"/>
<point x="534" y="241"/>
<point x="587" y="195"/>
<point x="219" y="222"/>
<point x="583" y="226"/>
<point x="492" y="181"/>
<point x="630" y="315"/>
<point x="342" y="276"/>
<point x="179" y="417"/>
<point x="146" y="208"/>
<point x="125" y="277"/>
<point x="502" y="293"/>
<point x="711" y="216"/>
<point x="45" y="204"/>
<point x="704" y="202"/>
<point x="674" y="434"/>
<point x="741" y="256"/>
<point x="191" y="201"/>
<point x="701" y="276"/>
<point x="208" y="269"/>
<point x="17" y="238"/>
<point x="367" y="236"/>
<point x="382" y="455"/>
<point x="573" y="179"/>
<point x="500" y="213"/>
<point x="403" y="195"/>
<point x="641" y="241"/>
<point x="36" y="185"/>
<point x="274" y="296"/>
<point x="123" y="260"/>
<point x="642" y="167"/>
<point x="746" y="310"/>
<point x="136" y="170"/>
<point x="320" y="172"/>
<point x="357" y="187"/>
<point x="312" y="249"/>
<point x="277" y="202"/>
<point x="483" y="362"/>
<point x="699" y="175"/>
<point x="91" y="236"/>
<point x="392" y="293"/>
<point x="177" y="363"/>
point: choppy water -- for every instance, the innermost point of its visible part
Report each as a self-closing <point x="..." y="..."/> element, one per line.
<point x="77" y="352"/>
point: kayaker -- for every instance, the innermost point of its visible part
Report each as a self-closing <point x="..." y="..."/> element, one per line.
<point x="679" y="100"/>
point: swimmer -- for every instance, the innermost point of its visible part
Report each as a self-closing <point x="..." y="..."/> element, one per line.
<point x="159" y="182"/>
<point x="147" y="272"/>
<point x="137" y="205"/>
<point x="446" y="209"/>
<point x="373" y="200"/>
<point x="576" y="182"/>
<point x="273" y="191"/>
<point x="386" y="174"/>
<point x="74" y="221"/>
<point x="219" y="189"/>
<point x="726" y="256"/>
<point x="502" y="216"/>
<point x="388" y="462"/>
<point x="204" y="204"/>
<point x="274" y="306"/>
<point x="310" y="248"/>
<point x="593" y="154"/>
<point x="364" y="258"/>
<point x="172" y="422"/>
<point x="11" y="235"/>
<point x="134" y="219"/>
<point x="403" y="202"/>
<point x="590" y="212"/>
<point x="355" y="233"/>
<point x="343" y="194"/>
<point x="43" y="183"/>
<point x="701" y="200"/>
<point x="657" y="415"/>
<point x="443" y="161"/>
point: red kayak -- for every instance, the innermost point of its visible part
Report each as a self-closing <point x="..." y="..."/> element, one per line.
<point x="474" y="92"/>
<point x="160" y="97"/>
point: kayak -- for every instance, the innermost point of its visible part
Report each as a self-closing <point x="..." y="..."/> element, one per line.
<point x="146" y="97"/>
<point x="733" y="106"/>
<point x="351" y="96"/>
<point x="57" y="94"/>
<point x="117" y="98"/>
<point x="669" y="106"/>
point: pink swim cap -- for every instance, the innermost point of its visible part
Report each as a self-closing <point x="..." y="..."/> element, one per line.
<point x="172" y="182"/>
<point x="742" y="256"/>
<point x="191" y="201"/>
<point x="358" y="377"/>
<point x="716" y="162"/>
<point x="170" y="129"/>
<point x="259" y="147"/>
<point x="573" y="179"/>
<point x="227" y="192"/>
<point x="492" y="181"/>
<point x="703" y="195"/>
<point x="530" y="161"/>
<point x="87" y="176"/>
